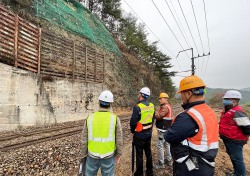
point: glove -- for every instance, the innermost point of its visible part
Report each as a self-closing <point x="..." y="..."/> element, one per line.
<point x="82" y="166"/>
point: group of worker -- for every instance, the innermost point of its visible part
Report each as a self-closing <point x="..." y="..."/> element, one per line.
<point x="190" y="140"/>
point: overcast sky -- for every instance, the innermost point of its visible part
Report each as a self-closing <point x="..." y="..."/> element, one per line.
<point x="228" y="22"/>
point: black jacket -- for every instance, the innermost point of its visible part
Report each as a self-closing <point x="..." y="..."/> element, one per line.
<point x="136" y="117"/>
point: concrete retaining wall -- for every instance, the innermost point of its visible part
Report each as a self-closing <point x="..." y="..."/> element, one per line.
<point x="30" y="99"/>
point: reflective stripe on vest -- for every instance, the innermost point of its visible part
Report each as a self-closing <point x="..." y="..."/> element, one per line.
<point x="228" y="126"/>
<point x="165" y="123"/>
<point x="169" y="115"/>
<point x="207" y="136"/>
<point x="101" y="134"/>
<point x="147" y="113"/>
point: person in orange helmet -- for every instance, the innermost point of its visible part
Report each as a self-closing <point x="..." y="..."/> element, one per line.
<point x="164" y="119"/>
<point x="194" y="133"/>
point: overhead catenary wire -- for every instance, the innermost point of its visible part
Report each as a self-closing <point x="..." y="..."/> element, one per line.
<point x="153" y="34"/>
<point x="188" y="27"/>
<point x="148" y="28"/>
<point x="206" y="25"/>
<point x="178" y="24"/>
<point x="169" y="27"/>
<point x="199" y="37"/>
<point x="197" y="26"/>
<point x="204" y="5"/>
<point x="179" y="19"/>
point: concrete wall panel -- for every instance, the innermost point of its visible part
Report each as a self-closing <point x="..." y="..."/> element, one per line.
<point x="30" y="99"/>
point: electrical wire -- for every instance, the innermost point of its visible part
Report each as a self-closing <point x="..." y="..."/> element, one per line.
<point x="177" y="24"/>
<point x="154" y="35"/>
<point x="178" y="19"/>
<point x="169" y="27"/>
<point x="206" y="66"/>
<point x="197" y="26"/>
<point x="188" y="27"/>
<point x="207" y="35"/>
<point x="199" y="37"/>
<point x="206" y="25"/>
<point x="149" y="28"/>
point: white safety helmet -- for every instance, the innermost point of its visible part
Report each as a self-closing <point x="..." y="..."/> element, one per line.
<point x="106" y="96"/>
<point x="233" y="94"/>
<point x="145" y="90"/>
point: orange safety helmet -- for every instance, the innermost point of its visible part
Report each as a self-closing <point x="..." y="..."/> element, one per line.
<point x="191" y="82"/>
<point x="163" y="95"/>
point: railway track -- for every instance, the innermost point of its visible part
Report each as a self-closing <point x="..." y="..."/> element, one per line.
<point x="35" y="141"/>
<point x="60" y="133"/>
<point x="38" y="132"/>
<point x="47" y="134"/>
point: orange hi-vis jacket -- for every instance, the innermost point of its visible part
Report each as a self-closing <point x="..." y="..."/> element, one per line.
<point x="208" y="134"/>
<point x="165" y="123"/>
<point x="206" y="139"/>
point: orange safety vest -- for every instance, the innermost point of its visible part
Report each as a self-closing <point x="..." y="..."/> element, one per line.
<point x="206" y="139"/>
<point x="169" y="115"/>
<point x="208" y="134"/>
<point x="166" y="122"/>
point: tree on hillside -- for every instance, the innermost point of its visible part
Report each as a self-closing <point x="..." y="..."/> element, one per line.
<point x="133" y="35"/>
<point x="108" y="10"/>
<point x="161" y="63"/>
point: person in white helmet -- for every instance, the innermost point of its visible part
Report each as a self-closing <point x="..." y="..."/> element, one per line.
<point x="141" y="124"/>
<point x="234" y="129"/>
<point x="102" y="139"/>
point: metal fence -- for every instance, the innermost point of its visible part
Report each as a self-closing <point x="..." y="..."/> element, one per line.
<point x="26" y="46"/>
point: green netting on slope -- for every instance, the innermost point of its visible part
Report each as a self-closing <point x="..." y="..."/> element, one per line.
<point x="72" y="16"/>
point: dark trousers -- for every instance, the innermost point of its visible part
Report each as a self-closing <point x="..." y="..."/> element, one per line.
<point x="235" y="151"/>
<point x="140" y="145"/>
<point x="180" y="169"/>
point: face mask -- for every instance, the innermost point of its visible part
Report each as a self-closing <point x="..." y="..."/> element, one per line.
<point x="227" y="102"/>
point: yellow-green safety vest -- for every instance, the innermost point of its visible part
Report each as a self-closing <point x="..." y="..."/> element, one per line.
<point x="101" y="134"/>
<point x="147" y="113"/>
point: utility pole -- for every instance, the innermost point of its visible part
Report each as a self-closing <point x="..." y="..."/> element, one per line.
<point x="192" y="58"/>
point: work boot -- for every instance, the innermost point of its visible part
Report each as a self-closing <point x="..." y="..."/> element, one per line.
<point x="159" y="165"/>
<point x="168" y="162"/>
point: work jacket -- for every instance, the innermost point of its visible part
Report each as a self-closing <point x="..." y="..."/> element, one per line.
<point x="204" y="143"/>
<point x="163" y="123"/>
<point x="229" y="127"/>
<point x="137" y="115"/>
